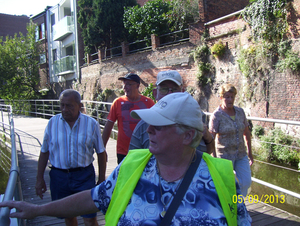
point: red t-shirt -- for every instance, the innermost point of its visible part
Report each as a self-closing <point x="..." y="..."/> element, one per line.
<point x="120" y="110"/>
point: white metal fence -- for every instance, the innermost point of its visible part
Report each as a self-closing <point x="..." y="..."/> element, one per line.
<point x="99" y="111"/>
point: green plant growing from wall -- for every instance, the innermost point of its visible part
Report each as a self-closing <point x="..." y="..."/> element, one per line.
<point x="218" y="49"/>
<point x="268" y="20"/>
<point x="288" y="59"/>
<point x="201" y="57"/>
<point x="148" y="92"/>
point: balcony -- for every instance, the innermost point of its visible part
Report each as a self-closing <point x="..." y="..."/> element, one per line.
<point x="63" y="28"/>
<point x="64" y="66"/>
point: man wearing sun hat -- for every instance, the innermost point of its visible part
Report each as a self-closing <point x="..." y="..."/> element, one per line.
<point x="120" y="111"/>
<point x="169" y="81"/>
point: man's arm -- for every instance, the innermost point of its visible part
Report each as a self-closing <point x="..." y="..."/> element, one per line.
<point x="209" y="142"/>
<point x="107" y="131"/>
<point x="71" y="206"/>
<point x="102" y="159"/>
<point x="40" y="186"/>
<point x="139" y="138"/>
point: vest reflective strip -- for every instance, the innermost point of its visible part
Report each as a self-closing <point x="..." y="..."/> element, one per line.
<point x="132" y="168"/>
<point x="221" y="170"/>
<point x="130" y="172"/>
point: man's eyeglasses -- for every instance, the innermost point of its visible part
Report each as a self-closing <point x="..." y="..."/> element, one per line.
<point x="166" y="90"/>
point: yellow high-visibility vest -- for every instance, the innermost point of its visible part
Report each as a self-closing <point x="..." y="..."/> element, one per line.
<point x="133" y="165"/>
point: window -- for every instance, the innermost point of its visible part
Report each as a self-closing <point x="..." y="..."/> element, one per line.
<point x="67" y="11"/>
<point x="54" y="55"/>
<point x="69" y="51"/>
<point x="52" y="21"/>
<point x="42" y="58"/>
<point x="40" y="32"/>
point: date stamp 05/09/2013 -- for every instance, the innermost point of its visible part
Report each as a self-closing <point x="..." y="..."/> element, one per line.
<point x="269" y="199"/>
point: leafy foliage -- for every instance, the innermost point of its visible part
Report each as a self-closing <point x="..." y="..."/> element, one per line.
<point x="218" y="49"/>
<point x="268" y="19"/>
<point x="101" y="22"/>
<point x="288" y="59"/>
<point x="201" y="57"/>
<point x="278" y="147"/>
<point x="258" y="131"/>
<point x="160" y="17"/>
<point x="152" y="18"/>
<point x="19" y="66"/>
<point x="183" y="12"/>
<point x="148" y="92"/>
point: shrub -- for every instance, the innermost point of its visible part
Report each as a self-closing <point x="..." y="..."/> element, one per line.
<point x="218" y="49"/>
<point x="258" y="131"/>
<point x="278" y="147"/>
<point x="148" y="92"/>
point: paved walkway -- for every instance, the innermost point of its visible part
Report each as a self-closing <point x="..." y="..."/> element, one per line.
<point x="26" y="127"/>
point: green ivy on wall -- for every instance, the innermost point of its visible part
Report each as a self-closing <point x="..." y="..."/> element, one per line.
<point x="201" y="57"/>
<point x="269" y="26"/>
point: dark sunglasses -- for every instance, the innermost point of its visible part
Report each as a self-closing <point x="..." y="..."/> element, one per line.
<point x="159" y="128"/>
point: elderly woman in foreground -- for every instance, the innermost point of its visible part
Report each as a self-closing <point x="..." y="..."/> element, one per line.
<point x="169" y="184"/>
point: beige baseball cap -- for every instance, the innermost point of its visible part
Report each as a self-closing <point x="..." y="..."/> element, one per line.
<point x="171" y="75"/>
<point x="175" y="108"/>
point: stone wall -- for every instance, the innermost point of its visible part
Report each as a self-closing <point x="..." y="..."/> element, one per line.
<point x="277" y="97"/>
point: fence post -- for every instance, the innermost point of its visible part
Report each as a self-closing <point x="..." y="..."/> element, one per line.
<point x="88" y="58"/>
<point x="125" y="48"/>
<point x="155" y="42"/>
<point x="101" y="54"/>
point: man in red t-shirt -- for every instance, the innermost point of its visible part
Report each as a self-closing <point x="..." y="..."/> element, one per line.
<point x="120" y="111"/>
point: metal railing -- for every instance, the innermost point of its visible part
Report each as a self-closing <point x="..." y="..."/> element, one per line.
<point x="13" y="188"/>
<point x="274" y="122"/>
<point x="100" y="110"/>
<point x="141" y="45"/>
<point x="48" y="108"/>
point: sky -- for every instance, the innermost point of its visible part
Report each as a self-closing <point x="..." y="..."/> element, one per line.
<point x="25" y="7"/>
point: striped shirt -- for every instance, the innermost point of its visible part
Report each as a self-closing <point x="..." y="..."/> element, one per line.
<point x="72" y="148"/>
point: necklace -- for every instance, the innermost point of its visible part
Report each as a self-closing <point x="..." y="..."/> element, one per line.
<point x="163" y="212"/>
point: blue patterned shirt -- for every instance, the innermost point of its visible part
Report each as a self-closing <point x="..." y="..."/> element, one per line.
<point x="200" y="205"/>
<point x="72" y="148"/>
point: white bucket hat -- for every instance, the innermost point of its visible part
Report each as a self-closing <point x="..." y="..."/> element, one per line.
<point x="175" y="108"/>
<point x="170" y="75"/>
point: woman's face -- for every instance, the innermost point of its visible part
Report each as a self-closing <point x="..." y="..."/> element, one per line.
<point x="163" y="139"/>
<point x="228" y="100"/>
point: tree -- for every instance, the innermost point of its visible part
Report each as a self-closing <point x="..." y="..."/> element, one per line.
<point x="19" y="66"/>
<point x="102" y="22"/>
<point x="183" y="13"/>
<point x="152" y="18"/>
<point x="160" y="17"/>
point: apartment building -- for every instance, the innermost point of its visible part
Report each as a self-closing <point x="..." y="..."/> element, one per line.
<point x="62" y="39"/>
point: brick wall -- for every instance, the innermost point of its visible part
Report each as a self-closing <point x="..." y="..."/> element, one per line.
<point x="9" y="25"/>
<point x="278" y="97"/>
<point x="146" y="64"/>
<point x="217" y="8"/>
<point x="43" y="47"/>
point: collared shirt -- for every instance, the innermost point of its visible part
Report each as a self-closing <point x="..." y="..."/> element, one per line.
<point x="72" y="148"/>
<point x="229" y="139"/>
